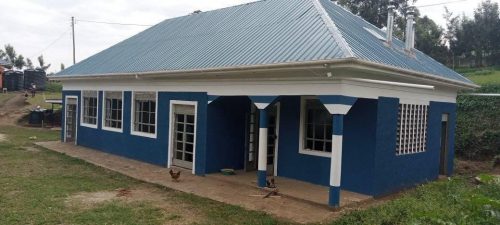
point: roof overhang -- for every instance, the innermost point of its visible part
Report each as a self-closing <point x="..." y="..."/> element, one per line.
<point x="348" y="63"/>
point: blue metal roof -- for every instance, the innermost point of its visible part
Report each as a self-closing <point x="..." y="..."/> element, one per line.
<point x="266" y="32"/>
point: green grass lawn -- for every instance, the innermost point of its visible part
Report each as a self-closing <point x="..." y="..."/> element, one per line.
<point x="40" y="98"/>
<point x="36" y="185"/>
<point x="483" y="76"/>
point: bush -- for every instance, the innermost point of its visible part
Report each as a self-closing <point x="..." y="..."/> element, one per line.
<point x="478" y="124"/>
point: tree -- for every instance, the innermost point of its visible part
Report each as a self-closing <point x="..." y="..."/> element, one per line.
<point x="62" y="66"/>
<point x="429" y="39"/>
<point x="478" y="37"/>
<point x="487" y="22"/>
<point x="11" y="53"/>
<point x="375" y="11"/>
<point x="41" y="61"/>
<point x="29" y="64"/>
<point x="3" y="55"/>
<point x="19" y="63"/>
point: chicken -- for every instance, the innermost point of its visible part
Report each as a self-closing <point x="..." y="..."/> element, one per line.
<point x="270" y="183"/>
<point x="175" y="175"/>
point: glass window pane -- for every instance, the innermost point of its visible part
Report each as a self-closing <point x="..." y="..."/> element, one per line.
<point x="190" y="128"/>
<point x="189" y="157"/>
<point x="189" y="147"/>
<point x="190" y="118"/>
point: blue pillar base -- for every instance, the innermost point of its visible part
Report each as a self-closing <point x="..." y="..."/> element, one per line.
<point x="261" y="178"/>
<point x="334" y="198"/>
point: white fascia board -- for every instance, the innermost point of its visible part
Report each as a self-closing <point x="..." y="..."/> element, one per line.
<point x="354" y="88"/>
<point x="235" y="72"/>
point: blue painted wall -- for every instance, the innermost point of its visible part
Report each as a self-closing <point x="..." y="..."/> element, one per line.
<point x="360" y="126"/>
<point x="226" y="133"/>
<point x="359" y="139"/>
<point x="145" y="149"/>
<point x="291" y="164"/>
<point x="392" y="172"/>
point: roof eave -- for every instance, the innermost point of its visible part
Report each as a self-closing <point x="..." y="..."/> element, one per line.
<point x="415" y="74"/>
<point x="337" y="63"/>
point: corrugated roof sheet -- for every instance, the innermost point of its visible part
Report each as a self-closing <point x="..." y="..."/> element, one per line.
<point x="259" y="33"/>
<point x="4" y="63"/>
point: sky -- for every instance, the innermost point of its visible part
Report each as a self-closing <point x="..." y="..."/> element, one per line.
<point x="42" y="27"/>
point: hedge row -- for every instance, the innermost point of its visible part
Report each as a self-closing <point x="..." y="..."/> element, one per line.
<point x="478" y="124"/>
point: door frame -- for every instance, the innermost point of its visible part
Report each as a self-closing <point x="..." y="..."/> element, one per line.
<point x="443" y="144"/>
<point x="77" y="119"/>
<point x="276" y="142"/>
<point x="171" y="131"/>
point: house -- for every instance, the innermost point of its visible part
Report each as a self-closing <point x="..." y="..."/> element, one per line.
<point x="301" y="89"/>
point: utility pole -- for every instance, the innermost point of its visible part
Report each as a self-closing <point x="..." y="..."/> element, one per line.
<point x="73" y="29"/>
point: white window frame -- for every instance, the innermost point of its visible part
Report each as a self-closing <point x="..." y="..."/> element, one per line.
<point x="417" y="120"/>
<point x="171" y="131"/>
<point x="132" y="117"/>
<point x="103" y="117"/>
<point x="302" y="150"/>
<point x="82" y="110"/>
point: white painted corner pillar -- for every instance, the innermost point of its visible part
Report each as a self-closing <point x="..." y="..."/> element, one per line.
<point x="338" y="106"/>
<point x="262" y="163"/>
<point x="262" y="102"/>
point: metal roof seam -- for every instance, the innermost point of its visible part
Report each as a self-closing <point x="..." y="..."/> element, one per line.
<point x="348" y="53"/>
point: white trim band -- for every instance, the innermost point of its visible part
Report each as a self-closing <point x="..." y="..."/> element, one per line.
<point x="262" y="166"/>
<point x="336" y="161"/>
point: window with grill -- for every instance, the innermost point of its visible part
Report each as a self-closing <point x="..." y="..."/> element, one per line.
<point x="412" y="129"/>
<point x="317" y="127"/>
<point x="145" y="112"/>
<point x="113" y="108"/>
<point x="89" y="108"/>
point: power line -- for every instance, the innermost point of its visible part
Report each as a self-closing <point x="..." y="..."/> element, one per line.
<point x="442" y="3"/>
<point x="51" y="44"/>
<point x="113" y="23"/>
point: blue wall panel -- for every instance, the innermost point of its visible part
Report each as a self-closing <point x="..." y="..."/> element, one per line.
<point x="360" y="126"/>
<point x="146" y="149"/>
<point x="226" y="133"/>
<point x="392" y="172"/>
<point x="291" y="163"/>
<point x="357" y="165"/>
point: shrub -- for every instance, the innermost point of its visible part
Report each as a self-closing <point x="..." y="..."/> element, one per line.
<point x="478" y="124"/>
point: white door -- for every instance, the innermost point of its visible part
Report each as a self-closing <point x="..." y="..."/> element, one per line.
<point x="183" y="130"/>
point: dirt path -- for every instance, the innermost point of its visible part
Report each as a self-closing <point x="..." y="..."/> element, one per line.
<point x="12" y="110"/>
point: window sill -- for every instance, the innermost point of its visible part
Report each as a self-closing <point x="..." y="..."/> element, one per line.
<point x="142" y="134"/>
<point x="315" y="153"/>
<point x="112" y="129"/>
<point x="88" y="125"/>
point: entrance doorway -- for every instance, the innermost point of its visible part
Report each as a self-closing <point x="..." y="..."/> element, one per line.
<point x="252" y="139"/>
<point x="70" y="128"/>
<point x="444" y="145"/>
<point x="183" y="140"/>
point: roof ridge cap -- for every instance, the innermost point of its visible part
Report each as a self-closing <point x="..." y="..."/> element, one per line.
<point x="333" y="29"/>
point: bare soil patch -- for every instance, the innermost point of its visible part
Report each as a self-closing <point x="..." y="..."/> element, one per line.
<point x="175" y="212"/>
<point x="3" y="138"/>
<point x="472" y="168"/>
<point x="12" y="110"/>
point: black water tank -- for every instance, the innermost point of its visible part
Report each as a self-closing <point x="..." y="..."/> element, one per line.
<point x="37" y="77"/>
<point x="13" y="80"/>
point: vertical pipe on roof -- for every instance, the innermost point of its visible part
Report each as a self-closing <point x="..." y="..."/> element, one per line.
<point x="410" y="29"/>
<point x="390" y="22"/>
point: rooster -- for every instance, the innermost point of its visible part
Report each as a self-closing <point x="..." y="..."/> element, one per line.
<point x="175" y="175"/>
